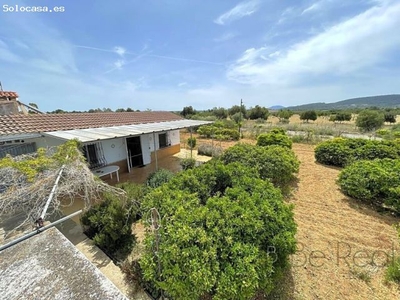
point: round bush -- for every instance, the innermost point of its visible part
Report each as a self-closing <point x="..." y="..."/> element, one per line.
<point x="191" y="142"/>
<point x="273" y="138"/>
<point x="188" y="163"/>
<point x="278" y="164"/>
<point x="333" y="152"/>
<point x="341" y="151"/>
<point x="218" y="247"/>
<point x="377" y="181"/>
<point x="373" y="151"/>
<point x="158" y="178"/>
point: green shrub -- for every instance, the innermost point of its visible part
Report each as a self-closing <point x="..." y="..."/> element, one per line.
<point x="209" y="150"/>
<point x="341" y="151"/>
<point x="135" y="194"/>
<point x="191" y="142"/>
<point x="230" y="134"/>
<point x="333" y="152"/>
<point x="376" y="181"/>
<point x="224" y="234"/>
<point x="158" y="178"/>
<point x="393" y="270"/>
<point x="278" y="130"/>
<point x="274" y="138"/>
<point x="383" y="132"/>
<point x="373" y="151"/>
<point x="188" y="163"/>
<point x="219" y="129"/>
<point x="278" y="164"/>
<point x="109" y="225"/>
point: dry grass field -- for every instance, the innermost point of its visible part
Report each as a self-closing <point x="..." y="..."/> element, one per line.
<point x="343" y="245"/>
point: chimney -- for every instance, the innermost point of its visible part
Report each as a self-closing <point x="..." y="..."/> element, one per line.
<point x="8" y="103"/>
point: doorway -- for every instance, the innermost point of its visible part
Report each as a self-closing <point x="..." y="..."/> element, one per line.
<point x="134" y="147"/>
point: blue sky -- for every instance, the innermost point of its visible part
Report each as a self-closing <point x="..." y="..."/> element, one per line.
<point x="167" y="54"/>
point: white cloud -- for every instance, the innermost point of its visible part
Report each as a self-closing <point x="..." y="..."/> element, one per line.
<point x="349" y="46"/>
<point x="225" y="37"/>
<point x="313" y="7"/>
<point x="120" y="50"/>
<point x="241" y="10"/>
<point x="119" y="64"/>
<point x="182" y="84"/>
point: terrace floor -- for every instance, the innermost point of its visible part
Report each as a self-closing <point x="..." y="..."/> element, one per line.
<point x="140" y="174"/>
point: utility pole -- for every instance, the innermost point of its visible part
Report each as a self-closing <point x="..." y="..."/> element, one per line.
<point x="240" y="119"/>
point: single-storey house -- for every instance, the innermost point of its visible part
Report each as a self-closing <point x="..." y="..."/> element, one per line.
<point x="124" y="139"/>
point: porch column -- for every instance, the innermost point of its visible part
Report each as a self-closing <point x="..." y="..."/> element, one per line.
<point x="155" y="150"/>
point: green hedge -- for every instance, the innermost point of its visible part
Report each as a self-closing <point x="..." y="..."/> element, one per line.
<point x="278" y="164"/>
<point x="274" y="138"/>
<point x="158" y="178"/>
<point x="224" y="234"/>
<point x="222" y="133"/>
<point x="187" y="163"/>
<point x="376" y="181"/>
<point x="109" y="225"/>
<point x="341" y="151"/>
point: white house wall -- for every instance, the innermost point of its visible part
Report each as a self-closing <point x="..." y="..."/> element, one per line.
<point x="114" y="150"/>
<point x="173" y="137"/>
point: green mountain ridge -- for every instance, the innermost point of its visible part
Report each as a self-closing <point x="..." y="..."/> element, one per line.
<point x="383" y="101"/>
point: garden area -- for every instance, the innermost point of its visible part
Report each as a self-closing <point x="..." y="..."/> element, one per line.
<point x="267" y="217"/>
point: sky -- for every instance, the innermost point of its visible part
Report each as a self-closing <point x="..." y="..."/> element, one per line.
<point x="167" y="54"/>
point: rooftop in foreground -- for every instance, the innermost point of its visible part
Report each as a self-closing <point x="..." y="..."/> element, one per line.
<point x="48" y="266"/>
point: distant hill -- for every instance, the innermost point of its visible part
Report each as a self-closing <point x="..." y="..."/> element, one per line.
<point x="276" y="107"/>
<point x="385" y="101"/>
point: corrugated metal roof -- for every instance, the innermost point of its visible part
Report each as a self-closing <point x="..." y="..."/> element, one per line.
<point x="21" y="136"/>
<point x="105" y="133"/>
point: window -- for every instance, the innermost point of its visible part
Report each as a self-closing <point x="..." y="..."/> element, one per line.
<point x="94" y="155"/>
<point x="162" y="139"/>
<point x="17" y="149"/>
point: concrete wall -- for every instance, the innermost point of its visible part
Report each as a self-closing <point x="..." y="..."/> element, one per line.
<point x="46" y="142"/>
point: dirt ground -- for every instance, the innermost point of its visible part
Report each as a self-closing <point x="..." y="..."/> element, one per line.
<point x="342" y="244"/>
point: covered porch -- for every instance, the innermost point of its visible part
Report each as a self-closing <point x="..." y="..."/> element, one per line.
<point x="171" y="163"/>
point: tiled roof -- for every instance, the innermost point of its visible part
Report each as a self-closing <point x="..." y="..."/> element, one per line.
<point x="5" y="94"/>
<point x="35" y="123"/>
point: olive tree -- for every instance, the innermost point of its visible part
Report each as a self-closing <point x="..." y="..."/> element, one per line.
<point x="369" y="120"/>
